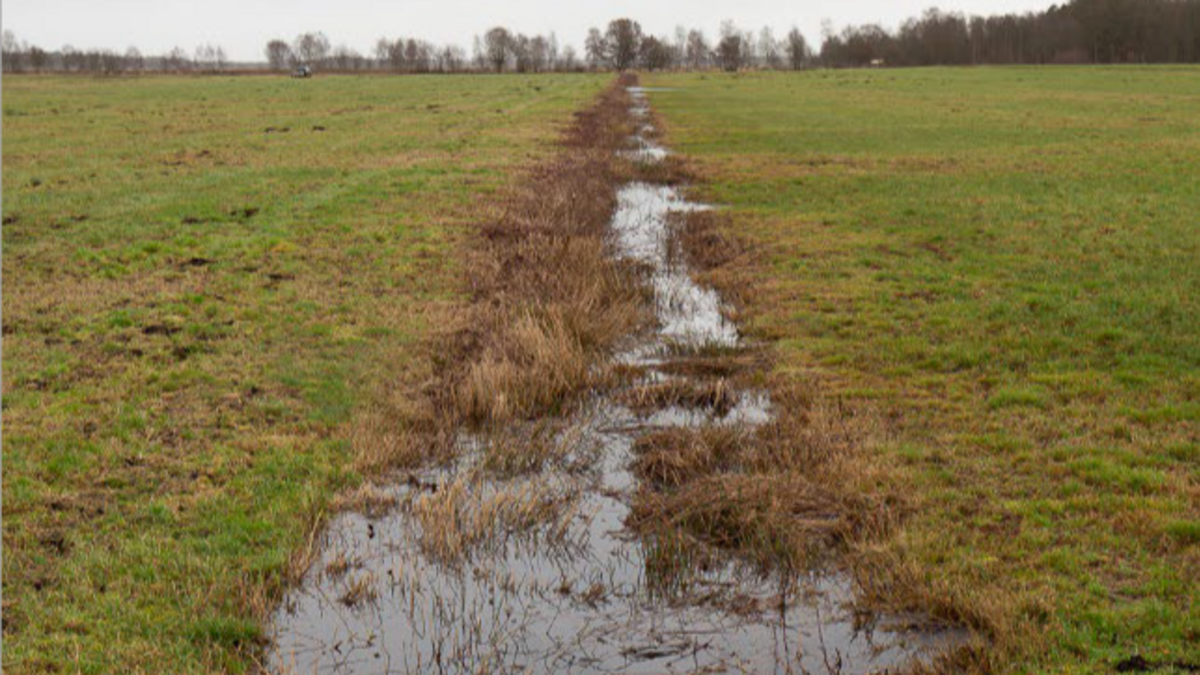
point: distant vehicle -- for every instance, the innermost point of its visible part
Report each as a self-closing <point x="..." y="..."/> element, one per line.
<point x="302" y="71"/>
<point x="878" y="63"/>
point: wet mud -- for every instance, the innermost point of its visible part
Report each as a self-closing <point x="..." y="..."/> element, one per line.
<point x="516" y="558"/>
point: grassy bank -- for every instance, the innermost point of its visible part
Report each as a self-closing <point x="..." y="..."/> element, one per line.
<point x="999" y="266"/>
<point x="216" y="293"/>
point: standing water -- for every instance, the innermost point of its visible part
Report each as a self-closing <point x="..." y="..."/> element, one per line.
<point x="520" y="562"/>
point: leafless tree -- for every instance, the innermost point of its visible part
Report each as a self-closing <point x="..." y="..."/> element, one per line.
<point x="655" y="54"/>
<point x="497" y="45"/>
<point x="552" y="53"/>
<point x="697" y="50"/>
<point x="568" y="61"/>
<point x="796" y="48"/>
<point x="539" y="54"/>
<point x="454" y="59"/>
<point x="770" y="53"/>
<point x="731" y="50"/>
<point x="595" y="48"/>
<point x="279" y="55"/>
<point x="478" y="57"/>
<point x="177" y="60"/>
<point x="111" y="63"/>
<point x="624" y="41"/>
<point x="134" y="60"/>
<point x="311" y="48"/>
<point x="11" y="53"/>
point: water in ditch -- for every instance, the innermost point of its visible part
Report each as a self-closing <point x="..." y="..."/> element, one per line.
<point x="520" y="561"/>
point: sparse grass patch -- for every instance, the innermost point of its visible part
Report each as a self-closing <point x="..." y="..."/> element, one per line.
<point x="467" y="514"/>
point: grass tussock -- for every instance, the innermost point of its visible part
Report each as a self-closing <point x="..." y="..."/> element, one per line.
<point x="675" y="456"/>
<point x="718" y="395"/>
<point x="785" y="493"/>
<point x="465" y="515"/>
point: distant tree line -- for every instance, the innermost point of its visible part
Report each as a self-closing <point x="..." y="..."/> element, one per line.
<point x="21" y="57"/>
<point x="1081" y="31"/>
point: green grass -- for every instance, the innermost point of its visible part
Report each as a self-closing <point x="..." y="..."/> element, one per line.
<point x="1004" y="261"/>
<point x="196" y="309"/>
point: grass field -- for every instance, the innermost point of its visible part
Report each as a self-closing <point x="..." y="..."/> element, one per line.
<point x="214" y="290"/>
<point x="1001" y="263"/>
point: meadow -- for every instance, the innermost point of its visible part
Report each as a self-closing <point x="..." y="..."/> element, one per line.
<point x="227" y="298"/>
<point x="998" y="267"/>
<point x="219" y="296"/>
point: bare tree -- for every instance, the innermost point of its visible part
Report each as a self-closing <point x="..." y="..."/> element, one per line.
<point x="311" y="48"/>
<point x="497" y="46"/>
<point x="539" y="53"/>
<point x="624" y="40"/>
<point x="769" y="51"/>
<point x="478" y="56"/>
<point x="39" y="59"/>
<point x="654" y="54"/>
<point x="134" y="60"/>
<point x="279" y="55"/>
<point x="10" y="53"/>
<point x="177" y="60"/>
<point x="796" y="48"/>
<point x="731" y="50"/>
<point x="110" y="63"/>
<point x="595" y="48"/>
<point x="568" y="61"/>
<point x="697" y="50"/>
<point x="552" y="52"/>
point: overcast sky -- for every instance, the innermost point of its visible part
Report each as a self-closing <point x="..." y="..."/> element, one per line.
<point x="243" y="27"/>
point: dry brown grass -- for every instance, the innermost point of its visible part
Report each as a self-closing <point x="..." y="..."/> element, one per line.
<point x="785" y="493"/>
<point x="340" y="563"/>
<point x="545" y="301"/>
<point x="515" y="450"/>
<point x="368" y="499"/>
<point x="675" y="456"/>
<point x="548" y="300"/>
<point x="359" y="589"/>
<point x="467" y="514"/>
<point x="717" y="394"/>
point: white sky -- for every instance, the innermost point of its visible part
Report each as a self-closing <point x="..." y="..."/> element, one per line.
<point x="243" y="27"/>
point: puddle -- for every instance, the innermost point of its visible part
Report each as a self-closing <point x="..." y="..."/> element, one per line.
<point x="516" y="558"/>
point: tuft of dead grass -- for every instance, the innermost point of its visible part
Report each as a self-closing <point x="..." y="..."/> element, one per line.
<point x="360" y="589"/>
<point x="368" y="499"/>
<point x="464" y="515"/>
<point x="776" y="518"/>
<point x="716" y="394"/>
<point x="674" y="456"/>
